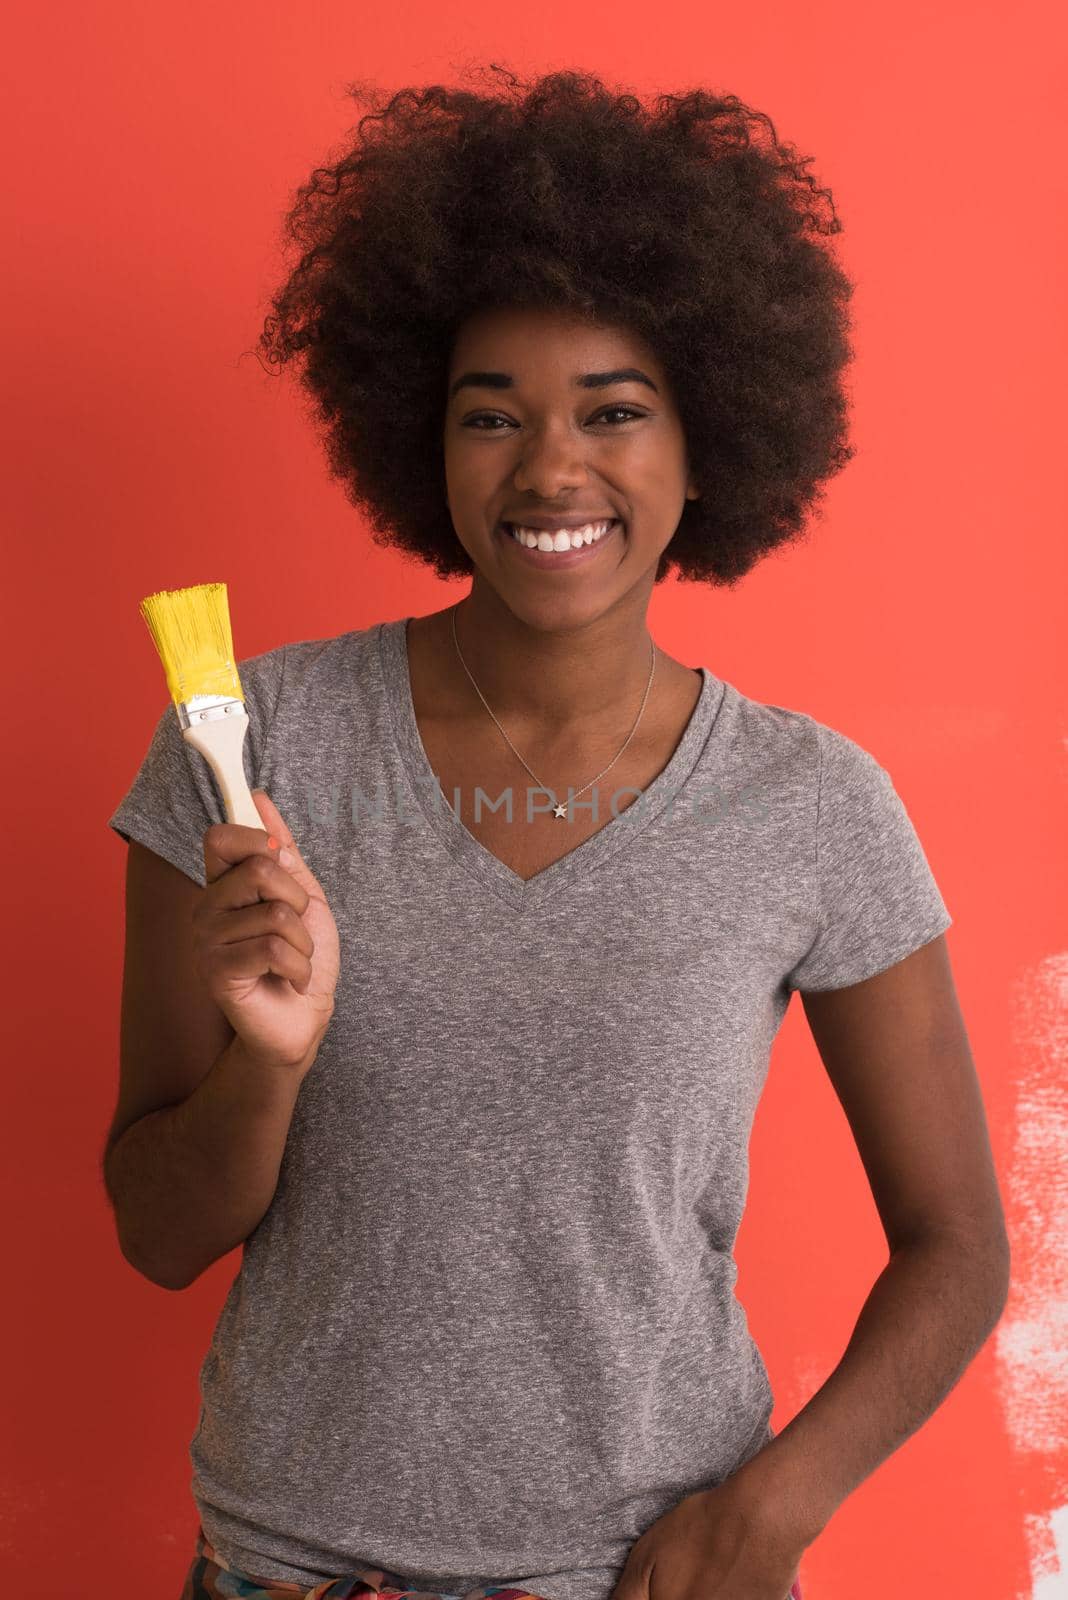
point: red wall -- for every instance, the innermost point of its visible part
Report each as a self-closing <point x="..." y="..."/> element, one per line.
<point x="151" y="151"/>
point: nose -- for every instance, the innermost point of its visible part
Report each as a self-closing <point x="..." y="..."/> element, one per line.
<point x="551" y="460"/>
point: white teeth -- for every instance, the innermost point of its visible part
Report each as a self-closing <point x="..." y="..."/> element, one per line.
<point x="563" y="538"/>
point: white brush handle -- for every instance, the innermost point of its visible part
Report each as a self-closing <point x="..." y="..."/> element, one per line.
<point x="220" y="741"/>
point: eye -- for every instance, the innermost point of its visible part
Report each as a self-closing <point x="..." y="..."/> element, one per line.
<point x="495" y="416"/>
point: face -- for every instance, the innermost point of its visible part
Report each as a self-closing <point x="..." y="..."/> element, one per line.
<point x="544" y="427"/>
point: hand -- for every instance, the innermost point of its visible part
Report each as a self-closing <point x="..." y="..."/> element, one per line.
<point x="266" y="941"/>
<point x="718" y="1544"/>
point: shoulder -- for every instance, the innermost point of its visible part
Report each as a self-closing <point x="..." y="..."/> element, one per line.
<point x="794" y="745"/>
<point x="290" y="670"/>
<point x="299" y="694"/>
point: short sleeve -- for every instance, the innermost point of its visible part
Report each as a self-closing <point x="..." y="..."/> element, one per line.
<point x="173" y="796"/>
<point x="876" y="898"/>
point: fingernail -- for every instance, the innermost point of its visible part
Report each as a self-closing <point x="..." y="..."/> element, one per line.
<point x="272" y="842"/>
<point x="287" y="858"/>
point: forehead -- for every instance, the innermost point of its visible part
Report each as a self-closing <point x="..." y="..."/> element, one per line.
<point x="543" y="342"/>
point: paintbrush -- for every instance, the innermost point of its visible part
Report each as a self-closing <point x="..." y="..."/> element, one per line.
<point x="191" y="631"/>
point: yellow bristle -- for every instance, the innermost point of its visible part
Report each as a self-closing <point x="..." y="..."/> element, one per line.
<point x="191" y="631"/>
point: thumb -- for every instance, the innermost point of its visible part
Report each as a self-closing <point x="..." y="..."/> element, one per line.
<point x="634" y="1581"/>
<point x="632" y="1585"/>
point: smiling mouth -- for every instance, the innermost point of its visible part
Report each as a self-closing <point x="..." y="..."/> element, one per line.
<point x="559" y="542"/>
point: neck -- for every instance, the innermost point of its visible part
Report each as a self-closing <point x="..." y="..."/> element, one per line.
<point x="561" y="681"/>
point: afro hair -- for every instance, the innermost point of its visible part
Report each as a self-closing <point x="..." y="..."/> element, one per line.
<point x="677" y="222"/>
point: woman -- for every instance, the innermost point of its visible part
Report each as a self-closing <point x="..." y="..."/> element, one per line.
<point x="472" y="1073"/>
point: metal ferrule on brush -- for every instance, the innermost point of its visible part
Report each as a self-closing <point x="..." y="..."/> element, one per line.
<point x="208" y="708"/>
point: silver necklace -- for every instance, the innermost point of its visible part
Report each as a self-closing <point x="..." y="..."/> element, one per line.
<point x="559" y="810"/>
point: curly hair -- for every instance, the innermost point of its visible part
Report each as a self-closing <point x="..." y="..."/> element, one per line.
<point x="674" y="222"/>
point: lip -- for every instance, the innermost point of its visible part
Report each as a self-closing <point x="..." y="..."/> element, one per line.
<point x="551" y="560"/>
<point x="544" y="523"/>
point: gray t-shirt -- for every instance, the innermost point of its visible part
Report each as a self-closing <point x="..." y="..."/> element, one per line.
<point x="486" y="1331"/>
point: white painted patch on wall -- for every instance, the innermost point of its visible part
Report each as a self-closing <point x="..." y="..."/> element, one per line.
<point x="1047" y="1542"/>
<point x="1031" y="1339"/>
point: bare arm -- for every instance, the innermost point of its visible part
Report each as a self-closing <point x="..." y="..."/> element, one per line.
<point x="196" y="1143"/>
<point x="896" y="1051"/>
<point x="190" y="1182"/>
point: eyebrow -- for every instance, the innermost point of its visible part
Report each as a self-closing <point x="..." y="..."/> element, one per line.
<point x="584" y="380"/>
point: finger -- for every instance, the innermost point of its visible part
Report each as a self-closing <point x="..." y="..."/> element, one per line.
<point x="260" y="920"/>
<point x="227" y="843"/>
<point x="255" y="958"/>
<point x="259" y="877"/>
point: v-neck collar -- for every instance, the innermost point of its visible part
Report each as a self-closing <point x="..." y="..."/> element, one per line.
<point x="461" y="843"/>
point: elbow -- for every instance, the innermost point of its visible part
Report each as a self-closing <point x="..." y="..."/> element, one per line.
<point x="151" y="1271"/>
<point x="1005" y="1275"/>
<point x="162" y="1281"/>
<point x="131" y="1244"/>
<point x="997" y="1254"/>
<point x="150" y="1274"/>
<point x="981" y="1259"/>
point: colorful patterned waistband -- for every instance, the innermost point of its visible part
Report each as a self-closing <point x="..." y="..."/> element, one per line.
<point x="208" y="1579"/>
